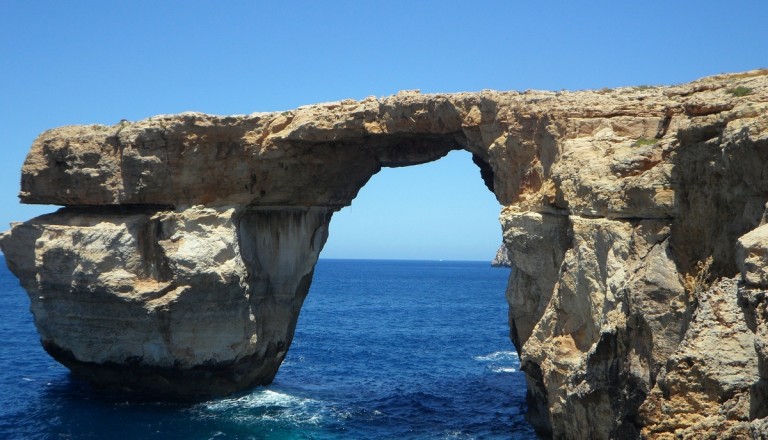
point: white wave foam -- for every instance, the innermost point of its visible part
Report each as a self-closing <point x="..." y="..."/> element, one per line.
<point x="500" y="361"/>
<point x="259" y="399"/>
<point x="451" y="435"/>
<point x="498" y="356"/>
<point x="269" y="406"/>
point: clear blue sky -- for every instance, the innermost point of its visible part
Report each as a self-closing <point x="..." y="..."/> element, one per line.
<point x="84" y="62"/>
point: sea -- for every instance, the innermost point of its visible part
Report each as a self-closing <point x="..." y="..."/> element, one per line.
<point x="383" y="350"/>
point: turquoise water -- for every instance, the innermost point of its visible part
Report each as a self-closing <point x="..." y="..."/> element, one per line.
<point x="383" y="350"/>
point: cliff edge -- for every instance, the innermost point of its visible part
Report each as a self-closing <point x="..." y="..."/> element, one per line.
<point x="634" y="220"/>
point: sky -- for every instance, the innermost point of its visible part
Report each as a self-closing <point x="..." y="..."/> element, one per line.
<point x="84" y="62"/>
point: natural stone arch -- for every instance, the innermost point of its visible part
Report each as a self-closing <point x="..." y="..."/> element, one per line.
<point x="184" y="236"/>
<point x="222" y="218"/>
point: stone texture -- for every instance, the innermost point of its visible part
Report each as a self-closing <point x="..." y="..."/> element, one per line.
<point x="703" y="390"/>
<point x="617" y="309"/>
<point x="196" y="302"/>
<point x="752" y="257"/>
<point x="631" y="218"/>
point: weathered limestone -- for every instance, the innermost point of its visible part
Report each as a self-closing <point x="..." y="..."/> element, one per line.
<point x="187" y="303"/>
<point x="632" y="220"/>
<point x="704" y="388"/>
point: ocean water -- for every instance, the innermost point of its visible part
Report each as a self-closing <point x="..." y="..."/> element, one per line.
<point x="383" y="350"/>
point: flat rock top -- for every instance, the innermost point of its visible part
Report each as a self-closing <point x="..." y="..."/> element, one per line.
<point x="322" y="154"/>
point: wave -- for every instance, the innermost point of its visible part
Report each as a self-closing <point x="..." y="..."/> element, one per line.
<point x="268" y="406"/>
<point x="499" y="356"/>
<point x="500" y="361"/>
<point x="259" y="399"/>
<point x="457" y="435"/>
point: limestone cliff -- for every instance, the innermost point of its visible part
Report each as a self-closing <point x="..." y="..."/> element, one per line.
<point x="633" y="219"/>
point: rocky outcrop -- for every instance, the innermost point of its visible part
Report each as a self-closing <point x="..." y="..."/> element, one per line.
<point x="189" y="303"/>
<point x="631" y="217"/>
<point x="501" y="259"/>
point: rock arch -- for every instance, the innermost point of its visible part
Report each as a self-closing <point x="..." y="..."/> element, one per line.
<point x="186" y="243"/>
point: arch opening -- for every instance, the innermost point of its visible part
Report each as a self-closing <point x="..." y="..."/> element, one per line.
<point x="433" y="211"/>
<point x="398" y="324"/>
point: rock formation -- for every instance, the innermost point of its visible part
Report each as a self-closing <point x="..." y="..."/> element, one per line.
<point x="501" y="259"/>
<point x="633" y="219"/>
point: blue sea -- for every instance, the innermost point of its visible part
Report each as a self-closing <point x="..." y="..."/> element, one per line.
<point x="383" y="350"/>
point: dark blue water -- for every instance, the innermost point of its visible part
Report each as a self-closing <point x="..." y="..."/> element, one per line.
<point x="383" y="350"/>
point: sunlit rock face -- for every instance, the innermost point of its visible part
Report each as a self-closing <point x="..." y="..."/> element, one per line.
<point x="631" y="218"/>
<point x="187" y="303"/>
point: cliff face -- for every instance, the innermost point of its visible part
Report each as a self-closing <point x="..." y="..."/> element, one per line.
<point x="633" y="220"/>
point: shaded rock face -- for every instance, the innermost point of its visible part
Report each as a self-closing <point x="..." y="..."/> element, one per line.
<point x="633" y="220"/>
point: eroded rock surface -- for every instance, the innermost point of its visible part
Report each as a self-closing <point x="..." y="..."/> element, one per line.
<point x="187" y="303"/>
<point x="633" y="219"/>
